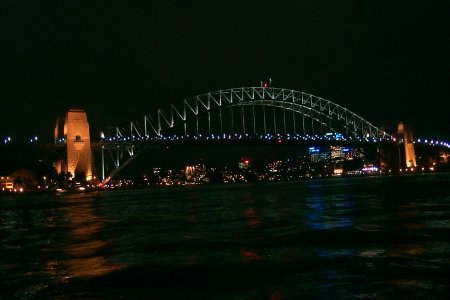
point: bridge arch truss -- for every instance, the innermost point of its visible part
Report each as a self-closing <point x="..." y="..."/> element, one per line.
<point x="252" y="110"/>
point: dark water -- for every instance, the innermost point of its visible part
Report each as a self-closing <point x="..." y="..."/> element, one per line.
<point x="339" y="238"/>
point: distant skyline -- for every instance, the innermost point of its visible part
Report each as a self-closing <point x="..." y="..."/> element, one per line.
<point x="388" y="63"/>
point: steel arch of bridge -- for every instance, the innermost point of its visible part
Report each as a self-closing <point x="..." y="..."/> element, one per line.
<point x="319" y="110"/>
<point x="154" y="126"/>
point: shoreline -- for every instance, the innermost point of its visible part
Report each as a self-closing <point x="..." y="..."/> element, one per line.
<point x="233" y="185"/>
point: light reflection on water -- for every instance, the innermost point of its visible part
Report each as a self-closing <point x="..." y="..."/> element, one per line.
<point x="83" y="240"/>
<point x="346" y="238"/>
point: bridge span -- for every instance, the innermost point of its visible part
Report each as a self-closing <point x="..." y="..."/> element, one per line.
<point x="245" y="115"/>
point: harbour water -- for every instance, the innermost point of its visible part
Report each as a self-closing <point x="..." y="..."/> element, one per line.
<point x="360" y="238"/>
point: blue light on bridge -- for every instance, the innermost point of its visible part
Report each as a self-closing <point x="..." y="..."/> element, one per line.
<point x="431" y="142"/>
<point x="268" y="137"/>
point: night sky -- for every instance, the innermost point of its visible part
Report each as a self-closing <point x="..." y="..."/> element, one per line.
<point x="387" y="62"/>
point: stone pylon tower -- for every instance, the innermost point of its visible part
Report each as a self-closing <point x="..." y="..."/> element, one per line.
<point x="74" y="129"/>
<point x="410" y="154"/>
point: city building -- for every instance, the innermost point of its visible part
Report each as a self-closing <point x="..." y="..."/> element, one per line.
<point x="196" y="174"/>
<point x="6" y="184"/>
<point x="317" y="154"/>
<point x="338" y="152"/>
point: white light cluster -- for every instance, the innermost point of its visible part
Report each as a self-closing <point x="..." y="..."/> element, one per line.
<point x="432" y="142"/>
<point x="246" y="136"/>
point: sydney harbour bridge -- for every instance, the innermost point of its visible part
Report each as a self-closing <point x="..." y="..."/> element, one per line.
<point x="244" y="115"/>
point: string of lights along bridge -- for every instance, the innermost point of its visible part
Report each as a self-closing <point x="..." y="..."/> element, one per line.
<point x="8" y="140"/>
<point x="279" y="138"/>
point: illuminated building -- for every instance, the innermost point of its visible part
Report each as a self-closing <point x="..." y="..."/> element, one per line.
<point x="74" y="130"/>
<point x="231" y="176"/>
<point x="337" y="152"/>
<point x="338" y="171"/>
<point x="274" y="166"/>
<point x="354" y="153"/>
<point x="316" y="155"/>
<point x="370" y="169"/>
<point x="196" y="173"/>
<point x="410" y="154"/>
<point x="189" y="172"/>
<point x="6" y="184"/>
